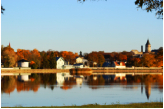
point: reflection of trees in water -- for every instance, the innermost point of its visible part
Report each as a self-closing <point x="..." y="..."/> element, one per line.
<point x="147" y="80"/>
<point x="8" y="84"/>
<point x="148" y="90"/>
<point x="48" y="79"/>
<point x="34" y="84"/>
<point x="96" y="80"/>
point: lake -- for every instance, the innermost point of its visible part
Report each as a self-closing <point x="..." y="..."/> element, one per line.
<point x="63" y="89"/>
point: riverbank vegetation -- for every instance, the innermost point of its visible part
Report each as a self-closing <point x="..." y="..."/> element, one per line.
<point x="46" y="59"/>
<point x="133" y="105"/>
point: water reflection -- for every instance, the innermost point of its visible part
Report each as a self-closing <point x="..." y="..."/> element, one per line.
<point x="32" y="82"/>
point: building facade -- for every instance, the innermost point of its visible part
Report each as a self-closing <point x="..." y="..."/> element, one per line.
<point x="148" y="47"/>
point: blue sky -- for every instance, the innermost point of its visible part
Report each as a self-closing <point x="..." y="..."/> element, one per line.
<point x="68" y="25"/>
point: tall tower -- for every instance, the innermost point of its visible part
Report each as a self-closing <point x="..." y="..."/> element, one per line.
<point x="147" y="46"/>
<point x="141" y="48"/>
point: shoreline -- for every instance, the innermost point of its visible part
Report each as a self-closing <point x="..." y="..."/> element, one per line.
<point x="131" y="105"/>
<point x="93" y="71"/>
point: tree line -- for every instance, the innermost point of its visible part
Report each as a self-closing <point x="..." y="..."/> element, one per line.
<point x="47" y="59"/>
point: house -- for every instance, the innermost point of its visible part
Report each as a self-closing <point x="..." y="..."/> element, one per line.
<point x="60" y="77"/>
<point x="137" y="54"/>
<point x="59" y="63"/>
<point x="68" y="66"/>
<point x="115" y="77"/>
<point x="79" y="65"/>
<point x="82" y="60"/>
<point x="117" y="64"/>
<point x="23" y="77"/>
<point x="23" y="63"/>
<point x="106" y="64"/>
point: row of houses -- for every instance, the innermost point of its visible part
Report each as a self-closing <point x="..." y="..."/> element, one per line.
<point x="80" y="63"/>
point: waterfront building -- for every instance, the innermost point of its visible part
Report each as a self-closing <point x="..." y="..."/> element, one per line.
<point x="148" y="47"/>
<point x="23" y="63"/>
<point x="59" y="62"/>
<point x="117" y="64"/>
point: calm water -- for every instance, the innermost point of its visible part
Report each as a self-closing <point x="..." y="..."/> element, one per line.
<point x="65" y="89"/>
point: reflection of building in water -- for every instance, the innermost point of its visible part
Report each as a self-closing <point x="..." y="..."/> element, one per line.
<point x="23" y="77"/>
<point x="61" y="77"/>
<point x="79" y="80"/>
<point x="86" y="78"/>
<point x="115" y="77"/>
<point x="148" y="90"/>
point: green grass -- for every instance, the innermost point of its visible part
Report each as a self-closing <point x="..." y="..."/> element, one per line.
<point x="133" y="105"/>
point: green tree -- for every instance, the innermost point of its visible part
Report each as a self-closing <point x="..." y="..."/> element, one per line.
<point x="101" y="59"/>
<point x="52" y="60"/>
<point x="45" y="62"/>
<point x="34" y="66"/>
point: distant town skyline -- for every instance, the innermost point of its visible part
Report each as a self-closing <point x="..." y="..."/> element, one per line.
<point x="73" y="26"/>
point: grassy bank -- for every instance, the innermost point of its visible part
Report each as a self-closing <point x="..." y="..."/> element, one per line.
<point x="133" y="105"/>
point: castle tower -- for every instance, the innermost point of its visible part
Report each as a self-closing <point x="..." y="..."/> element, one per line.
<point x="147" y="46"/>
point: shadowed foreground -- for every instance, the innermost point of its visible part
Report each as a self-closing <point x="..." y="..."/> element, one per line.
<point x="133" y="105"/>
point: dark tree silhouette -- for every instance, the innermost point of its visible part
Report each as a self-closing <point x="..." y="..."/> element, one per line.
<point x="151" y="5"/>
<point x="2" y="9"/>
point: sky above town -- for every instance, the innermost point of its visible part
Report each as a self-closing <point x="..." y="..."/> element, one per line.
<point x="68" y="25"/>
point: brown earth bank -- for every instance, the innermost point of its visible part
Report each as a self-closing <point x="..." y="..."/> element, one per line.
<point x="81" y="71"/>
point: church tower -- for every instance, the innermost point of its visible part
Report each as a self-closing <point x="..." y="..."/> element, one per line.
<point x="147" y="46"/>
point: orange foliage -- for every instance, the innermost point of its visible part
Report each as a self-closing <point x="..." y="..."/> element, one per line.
<point x="65" y="87"/>
<point x="23" y="54"/>
<point x="122" y="57"/>
<point x="35" y="52"/>
<point x="32" y="62"/>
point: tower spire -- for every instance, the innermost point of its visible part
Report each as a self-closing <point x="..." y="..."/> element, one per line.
<point x="9" y="45"/>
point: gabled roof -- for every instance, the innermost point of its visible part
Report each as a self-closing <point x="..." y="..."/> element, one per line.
<point x="119" y="63"/>
<point x="23" y="60"/>
<point x="59" y="57"/>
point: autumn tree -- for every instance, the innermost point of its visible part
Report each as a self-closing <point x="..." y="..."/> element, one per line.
<point x="33" y="65"/>
<point x="35" y="56"/>
<point x="122" y="57"/>
<point x="9" y="56"/>
<point x="101" y="59"/>
<point x="92" y="57"/>
<point x="159" y="58"/>
<point x="23" y="54"/>
<point x="137" y="62"/>
<point x="148" y="60"/>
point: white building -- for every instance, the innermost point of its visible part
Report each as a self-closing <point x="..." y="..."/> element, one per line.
<point x="118" y="64"/>
<point x="61" y="77"/>
<point x="82" y="60"/>
<point x="23" y="63"/>
<point x="68" y="66"/>
<point x="80" y="65"/>
<point x="59" y="63"/>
